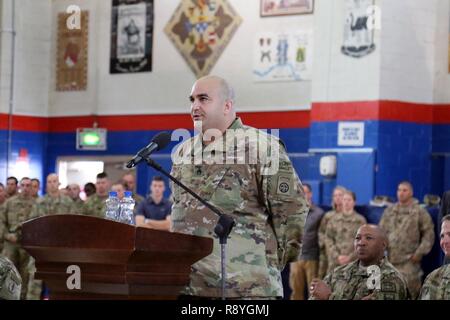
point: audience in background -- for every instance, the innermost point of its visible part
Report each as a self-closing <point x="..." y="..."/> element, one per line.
<point x="73" y="192"/>
<point x="11" y="187"/>
<point x="154" y="212"/>
<point x="410" y="233"/>
<point x="89" y="189"/>
<point x="119" y="188"/>
<point x="35" y="187"/>
<point x="306" y="268"/>
<point x="2" y="195"/>
<point x="129" y="182"/>
<point x="340" y="233"/>
<point x="95" y="204"/>
<point x="336" y="205"/>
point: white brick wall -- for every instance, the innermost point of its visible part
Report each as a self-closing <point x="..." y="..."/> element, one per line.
<point x="166" y="88"/>
<point x="32" y="57"/>
<point x="408" y="50"/>
<point x="338" y="77"/>
<point x="442" y="75"/>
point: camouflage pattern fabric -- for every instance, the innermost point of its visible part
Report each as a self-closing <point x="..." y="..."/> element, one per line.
<point x="47" y="205"/>
<point x="16" y="211"/>
<point x="410" y="231"/>
<point x="10" y="281"/>
<point x="78" y="206"/>
<point x="437" y="285"/>
<point x="323" y="261"/>
<point x="95" y="206"/>
<point x="269" y="211"/>
<point x="349" y="282"/>
<point x="339" y="236"/>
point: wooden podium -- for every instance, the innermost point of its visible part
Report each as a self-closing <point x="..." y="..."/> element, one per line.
<point x="116" y="260"/>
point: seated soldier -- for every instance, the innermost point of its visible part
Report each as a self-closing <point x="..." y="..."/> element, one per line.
<point x="10" y="280"/>
<point x="370" y="277"/>
<point x="437" y="284"/>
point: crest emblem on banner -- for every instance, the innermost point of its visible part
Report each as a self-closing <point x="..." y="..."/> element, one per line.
<point x="201" y="30"/>
<point x="358" y="33"/>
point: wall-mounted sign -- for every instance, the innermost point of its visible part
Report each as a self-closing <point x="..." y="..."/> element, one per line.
<point x="351" y="134"/>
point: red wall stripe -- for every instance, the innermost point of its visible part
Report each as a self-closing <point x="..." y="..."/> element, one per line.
<point x="383" y="110"/>
<point x="25" y="123"/>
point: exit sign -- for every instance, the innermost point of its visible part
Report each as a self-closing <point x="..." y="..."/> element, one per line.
<point x="91" y="139"/>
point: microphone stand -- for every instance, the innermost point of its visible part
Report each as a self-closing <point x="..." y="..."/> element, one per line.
<point x="222" y="228"/>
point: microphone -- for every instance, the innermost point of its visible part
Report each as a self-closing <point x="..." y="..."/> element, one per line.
<point x="160" y="141"/>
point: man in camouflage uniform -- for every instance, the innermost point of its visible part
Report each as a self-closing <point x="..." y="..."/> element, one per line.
<point x="2" y="201"/>
<point x="95" y="205"/>
<point x="340" y="233"/>
<point x="35" y="186"/>
<point x="410" y="232"/>
<point x="129" y="181"/>
<point x="12" y="187"/>
<point x="268" y="205"/>
<point x="15" y="211"/>
<point x="437" y="284"/>
<point x="10" y="281"/>
<point x="52" y="203"/>
<point x="2" y="194"/>
<point x="74" y="193"/>
<point x="338" y="194"/>
<point x="370" y="277"/>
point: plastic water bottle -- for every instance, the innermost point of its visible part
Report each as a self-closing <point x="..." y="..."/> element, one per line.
<point x="127" y="208"/>
<point x="112" y="206"/>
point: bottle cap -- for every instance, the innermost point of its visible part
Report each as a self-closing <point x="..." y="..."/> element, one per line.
<point x="113" y="194"/>
<point x="128" y="194"/>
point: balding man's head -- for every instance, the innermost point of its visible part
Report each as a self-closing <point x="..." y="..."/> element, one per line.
<point x="52" y="184"/>
<point x="370" y="244"/>
<point x="212" y="104"/>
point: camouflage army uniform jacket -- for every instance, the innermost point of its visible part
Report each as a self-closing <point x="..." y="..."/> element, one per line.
<point x="340" y="233"/>
<point x="269" y="211"/>
<point x="349" y="282"/>
<point x="95" y="206"/>
<point x="10" y="280"/>
<point x="410" y="231"/>
<point x="48" y="205"/>
<point x="15" y="211"/>
<point x="78" y="206"/>
<point x="437" y="285"/>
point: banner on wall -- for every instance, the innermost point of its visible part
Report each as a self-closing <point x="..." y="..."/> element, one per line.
<point x="358" y="28"/>
<point x="283" y="56"/>
<point x="131" y="36"/>
<point x="72" y="53"/>
<point x="201" y="30"/>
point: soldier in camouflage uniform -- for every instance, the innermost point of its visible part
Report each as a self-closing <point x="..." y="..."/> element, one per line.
<point x="338" y="194"/>
<point x="50" y="204"/>
<point x="73" y="191"/>
<point x="340" y="233"/>
<point x="370" y="277"/>
<point x="2" y="201"/>
<point x="95" y="205"/>
<point x="437" y="284"/>
<point x="10" y="281"/>
<point x="267" y="204"/>
<point x="17" y="210"/>
<point x="410" y="232"/>
<point x="35" y="186"/>
<point x="129" y="182"/>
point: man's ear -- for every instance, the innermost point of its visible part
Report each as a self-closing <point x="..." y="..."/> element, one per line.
<point x="228" y="106"/>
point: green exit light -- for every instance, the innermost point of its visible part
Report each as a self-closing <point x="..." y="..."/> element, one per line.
<point x="91" y="139"/>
